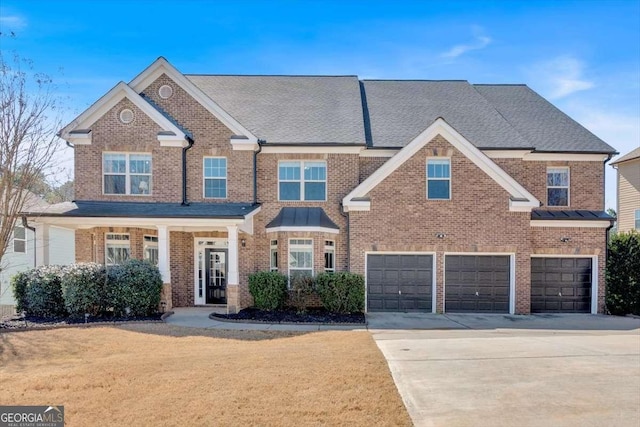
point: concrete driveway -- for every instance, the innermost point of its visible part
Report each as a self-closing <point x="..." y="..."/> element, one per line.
<point x="495" y="370"/>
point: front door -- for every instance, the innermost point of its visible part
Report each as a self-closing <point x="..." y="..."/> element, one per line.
<point x="216" y="276"/>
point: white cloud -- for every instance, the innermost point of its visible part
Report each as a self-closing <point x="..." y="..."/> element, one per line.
<point x="561" y="76"/>
<point x="12" y="23"/>
<point x="480" y="41"/>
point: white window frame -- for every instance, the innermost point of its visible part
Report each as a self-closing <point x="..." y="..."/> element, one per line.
<point x="16" y="239"/>
<point x="273" y="249"/>
<point x="308" y="245"/>
<point x="127" y="174"/>
<point x="302" y="180"/>
<point x="330" y="248"/>
<point x="568" y="186"/>
<point x="441" y="160"/>
<point x="149" y="242"/>
<point x="225" y="179"/>
<point x="116" y="243"/>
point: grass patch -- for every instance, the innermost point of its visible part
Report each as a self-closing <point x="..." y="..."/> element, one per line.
<point x="162" y="375"/>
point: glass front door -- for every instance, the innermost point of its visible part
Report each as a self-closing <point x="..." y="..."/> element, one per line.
<point x="216" y="276"/>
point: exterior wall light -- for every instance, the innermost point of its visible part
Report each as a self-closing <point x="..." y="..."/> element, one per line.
<point x="440" y="235"/>
<point x="565" y="239"/>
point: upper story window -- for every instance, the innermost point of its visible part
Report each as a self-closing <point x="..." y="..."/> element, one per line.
<point x="558" y="186"/>
<point x="439" y="179"/>
<point x="150" y="249"/>
<point x="215" y="177"/>
<point x="117" y="248"/>
<point x="19" y="239"/>
<point x="637" y="223"/>
<point x="301" y="257"/>
<point x="126" y="173"/>
<point x="302" y="181"/>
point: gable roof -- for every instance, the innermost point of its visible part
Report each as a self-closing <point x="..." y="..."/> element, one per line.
<point x="520" y="199"/>
<point x="291" y="109"/>
<point x="632" y="155"/>
<point x="119" y="92"/>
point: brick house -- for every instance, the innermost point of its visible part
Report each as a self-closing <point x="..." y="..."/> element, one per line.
<point x="446" y="196"/>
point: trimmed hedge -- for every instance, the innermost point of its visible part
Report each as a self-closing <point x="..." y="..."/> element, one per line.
<point x="302" y="288"/>
<point x="623" y="274"/>
<point x="135" y="288"/>
<point x="268" y="289"/>
<point x="38" y="291"/>
<point x="84" y="287"/>
<point x="341" y="292"/>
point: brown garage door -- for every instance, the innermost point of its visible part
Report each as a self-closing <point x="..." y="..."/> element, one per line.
<point x="399" y="282"/>
<point x="477" y="284"/>
<point x="561" y="285"/>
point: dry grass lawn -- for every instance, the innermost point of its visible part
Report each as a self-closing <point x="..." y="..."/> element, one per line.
<point x="161" y="375"/>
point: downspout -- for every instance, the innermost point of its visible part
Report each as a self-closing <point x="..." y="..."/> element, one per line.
<point x="255" y="171"/>
<point x="184" y="170"/>
<point x="348" y="231"/>
<point x="606" y="232"/>
<point x="26" y="225"/>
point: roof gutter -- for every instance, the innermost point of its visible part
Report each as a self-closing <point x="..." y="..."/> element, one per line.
<point x="255" y="170"/>
<point x="184" y="170"/>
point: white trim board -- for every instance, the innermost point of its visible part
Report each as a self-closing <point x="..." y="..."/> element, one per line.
<point x="434" y="295"/>
<point x="162" y="66"/>
<point x="521" y="199"/>
<point x="110" y="100"/>
<point x="529" y="155"/>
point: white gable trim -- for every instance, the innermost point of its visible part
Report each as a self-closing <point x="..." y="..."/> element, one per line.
<point x="107" y="102"/>
<point x="162" y="66"/>
<point x="521" y="199"/>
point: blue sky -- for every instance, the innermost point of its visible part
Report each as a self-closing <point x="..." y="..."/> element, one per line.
<point x="584" y="56"/>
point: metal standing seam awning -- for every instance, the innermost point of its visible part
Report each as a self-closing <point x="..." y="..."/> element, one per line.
<point x="302" y="219"/>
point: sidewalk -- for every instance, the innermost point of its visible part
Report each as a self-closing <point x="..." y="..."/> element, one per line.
<point x="198" y="317"/>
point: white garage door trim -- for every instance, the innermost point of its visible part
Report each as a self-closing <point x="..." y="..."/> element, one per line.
<point x="512" y="275"/>
<point x="433" y="275"/>
<point x="594" y="274"/>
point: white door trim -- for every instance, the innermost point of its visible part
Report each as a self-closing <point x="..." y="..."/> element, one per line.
<point x="512" y="275"/>
<point x="433" y="274"/>
<point x="594" y="274"/>
<point x="219" y="243"/>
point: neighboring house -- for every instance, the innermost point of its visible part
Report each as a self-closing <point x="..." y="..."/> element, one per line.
<point x="446" y="196"/>
<point x="23" y="253"/>
<point x="628" y="189"/>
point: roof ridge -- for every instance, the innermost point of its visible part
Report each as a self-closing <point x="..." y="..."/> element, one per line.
<point x="415" y="80"/>
<point x="499" y="84"/>
<point x="269" y="75"/>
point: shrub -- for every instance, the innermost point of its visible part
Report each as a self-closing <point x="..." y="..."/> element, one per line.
<point x="268" y="289"/>
<point x="84" y="287"/>
<point x="623" y="274"/>
<point x="19" y="284"/>
<point x="341" y="292"/>
<point x="302" y="288"/>
<point x="38" y="291"/>
<point x="44" y="292"/>
<point x="134" y="288"/>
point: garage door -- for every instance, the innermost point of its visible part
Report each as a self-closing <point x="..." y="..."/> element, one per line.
<point x="399" y="282"/>
<point x="561" y="285"/>
<point x="477" y="283"/>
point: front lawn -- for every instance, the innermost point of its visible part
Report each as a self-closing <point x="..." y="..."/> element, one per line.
<point x="157" y="374"/>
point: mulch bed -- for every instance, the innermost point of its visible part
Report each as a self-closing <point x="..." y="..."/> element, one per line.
<point x="28" y="322"/>
<point x="289" y="315"/>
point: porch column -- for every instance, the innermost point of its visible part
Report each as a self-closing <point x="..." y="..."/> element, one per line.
<point x="233" y="255"/>
<point x="163" y="253"/>
<point x="42" y="244"/>
<point x="164" y="266"/>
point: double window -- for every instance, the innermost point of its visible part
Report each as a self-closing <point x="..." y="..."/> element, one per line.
<point x="150" y="249"/>
<point x="117" y="248"/>
<point x="215" y="177"/>
<point x="301" y="257"/>
<point x="126" y="173"/>
<point x="19" y="240"/>
<point x="438" y="179"/>
<point x="302" y="181"/>
<point x="558" y="186"/>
